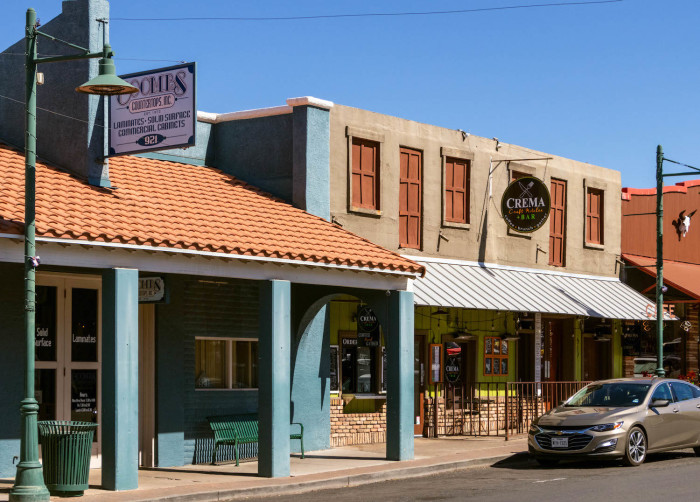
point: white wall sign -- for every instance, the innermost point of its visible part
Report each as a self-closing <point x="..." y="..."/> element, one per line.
<point x="160" y="116"/>
<point x="151" y="289"/>
<point x="538" y="347"/>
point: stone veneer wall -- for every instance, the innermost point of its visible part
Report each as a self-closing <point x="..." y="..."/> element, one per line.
<point x="356" y="428"/>
<point x="487" y="419"/>
<point x="691" y="345"/>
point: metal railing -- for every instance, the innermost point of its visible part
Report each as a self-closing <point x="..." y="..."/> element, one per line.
<point x="494" y="408"/>
<point x="529" y="400"/>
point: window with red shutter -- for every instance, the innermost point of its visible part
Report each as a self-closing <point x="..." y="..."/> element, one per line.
<point x="516" y="175"/>
<point x="410" y="198"/>
<point x="456" y="190"/>
<point x="365" y="174"/>
<point x="557" y="224"/>
<point x="594" y="216"/>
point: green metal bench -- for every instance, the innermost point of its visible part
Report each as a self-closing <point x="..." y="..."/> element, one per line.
<point x="234" y="430"/>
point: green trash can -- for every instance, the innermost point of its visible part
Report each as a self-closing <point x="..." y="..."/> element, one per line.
<point x="66" y="448"/>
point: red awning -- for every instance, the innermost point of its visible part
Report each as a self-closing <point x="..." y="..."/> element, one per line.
<point x="684" y="277"/>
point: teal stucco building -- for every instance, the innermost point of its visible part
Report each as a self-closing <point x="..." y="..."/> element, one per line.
<point x="173" y="290"/>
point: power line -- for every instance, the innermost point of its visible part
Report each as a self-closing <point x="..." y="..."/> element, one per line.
<point x="114" y="57"/>
<point x="52" y="112"/>
<point x="368" y="14"/>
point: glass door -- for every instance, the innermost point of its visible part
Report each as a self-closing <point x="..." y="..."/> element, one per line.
<point x="68" y="351"/>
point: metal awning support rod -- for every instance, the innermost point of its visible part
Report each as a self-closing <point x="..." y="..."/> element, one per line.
<point x="37" y="32"/>
<point x="680" y="164"/>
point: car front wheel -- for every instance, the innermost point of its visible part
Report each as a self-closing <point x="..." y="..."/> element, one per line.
<point x="636" y="448"/>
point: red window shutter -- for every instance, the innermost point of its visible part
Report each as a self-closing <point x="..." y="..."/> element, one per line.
<point x="365" y="174"/>
<point x="516" y="175"/>
<point x="410" y="198"/>
<point x="457" y="190"/>
<point x="557" y="224"/>
<point x="594" y="216"/>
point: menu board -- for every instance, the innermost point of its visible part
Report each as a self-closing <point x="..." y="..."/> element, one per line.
<point x="435" y="363"/>
<point x="383" y="369"/>
<point x="334" y="369"/>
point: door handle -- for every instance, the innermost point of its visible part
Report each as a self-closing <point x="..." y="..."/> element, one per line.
<point x="697" y="406"/>
<point x="676" y="410"/>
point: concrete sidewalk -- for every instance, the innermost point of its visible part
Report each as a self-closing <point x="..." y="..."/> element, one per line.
<point x="336" y="468"/>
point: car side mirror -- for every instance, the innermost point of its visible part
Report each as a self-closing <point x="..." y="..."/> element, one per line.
<point x="659" y="403"/>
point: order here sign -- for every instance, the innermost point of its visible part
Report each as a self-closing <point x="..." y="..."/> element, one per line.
<point x="161" y="115"/>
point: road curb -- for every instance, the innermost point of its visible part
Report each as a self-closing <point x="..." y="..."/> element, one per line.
<point x="338" y="481"/>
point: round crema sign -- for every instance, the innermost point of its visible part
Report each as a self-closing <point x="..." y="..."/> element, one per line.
<point x="366" y="320"/>
<point x="525" y="204"/>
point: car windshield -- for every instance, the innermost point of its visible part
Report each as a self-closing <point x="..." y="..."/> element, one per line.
<point x="614" y="395"/>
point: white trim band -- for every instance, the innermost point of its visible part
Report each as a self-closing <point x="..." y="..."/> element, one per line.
<point x="449" y="261"/>
<point x="216" y="118"/>
<point x="213" y="254"/>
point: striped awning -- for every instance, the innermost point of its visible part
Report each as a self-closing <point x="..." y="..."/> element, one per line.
<point x="470" y="285"/>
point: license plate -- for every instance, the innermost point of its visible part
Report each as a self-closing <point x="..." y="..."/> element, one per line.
<point x="560" y="442"/>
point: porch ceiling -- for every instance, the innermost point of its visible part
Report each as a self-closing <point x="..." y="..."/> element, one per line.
<point x="452" y="283"/>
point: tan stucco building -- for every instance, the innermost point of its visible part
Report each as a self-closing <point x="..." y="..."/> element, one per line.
<point x="485" y="236"/>
<point x="496" y="307"/>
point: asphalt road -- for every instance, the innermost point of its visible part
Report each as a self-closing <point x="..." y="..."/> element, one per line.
<point x="672" y="476"/>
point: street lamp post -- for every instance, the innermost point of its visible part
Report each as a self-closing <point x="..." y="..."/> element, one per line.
<point x="29" y="482"/>
<point x="659" y="262"/>
<point x="660" y="251"/>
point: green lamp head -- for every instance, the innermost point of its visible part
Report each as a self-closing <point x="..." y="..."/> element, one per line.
<point x="106" y="83"/>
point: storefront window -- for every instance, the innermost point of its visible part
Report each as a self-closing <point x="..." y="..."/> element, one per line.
<point x="245" y="357"/>
<point x="226" y="364"/>
<point x="495" y="356"/>
<point x="359" y="368"/>
<point x="210" y="364"/>
<point x="639" y="342"/>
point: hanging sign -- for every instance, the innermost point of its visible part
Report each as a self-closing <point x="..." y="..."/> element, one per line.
<point x="525" y="204"/>
<point x="367" y="327"/>
<point x="151" y="289"/>
<point x="453" y="361"/>
<point x="160" y="116"/>
<point x="453" y="367"/>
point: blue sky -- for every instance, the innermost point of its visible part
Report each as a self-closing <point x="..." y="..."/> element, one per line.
<point x="598" y="83"/>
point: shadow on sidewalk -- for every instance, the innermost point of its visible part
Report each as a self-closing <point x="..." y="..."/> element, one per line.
<point x="523" y="461"/>
<point x="193" y="471"/>
<point x="338" y="457"/>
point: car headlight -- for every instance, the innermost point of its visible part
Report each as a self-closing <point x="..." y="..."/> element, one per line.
<point x="607" y="427"/>
<point x="534" y="429"/>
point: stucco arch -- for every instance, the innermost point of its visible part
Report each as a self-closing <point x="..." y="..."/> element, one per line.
<point x="310" y="354"/>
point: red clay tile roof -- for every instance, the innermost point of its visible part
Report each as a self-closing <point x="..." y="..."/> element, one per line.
<point x="172" y="205"/>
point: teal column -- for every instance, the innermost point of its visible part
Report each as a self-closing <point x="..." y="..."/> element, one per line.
<point x="274" y="379"/>
<point x="399" y="399"/>
<point x="120" y="377"/>
<point x="311" y="187"/>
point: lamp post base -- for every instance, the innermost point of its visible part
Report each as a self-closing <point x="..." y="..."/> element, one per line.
<point x="29" y="484"/>
<point x="29" y="480"/>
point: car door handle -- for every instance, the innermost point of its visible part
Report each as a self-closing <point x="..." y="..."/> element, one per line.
<point x="676" y="410"/>
<point x="697" y="406"/>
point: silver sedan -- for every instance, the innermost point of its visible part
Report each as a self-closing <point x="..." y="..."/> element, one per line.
<point x="623" y="418"/>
